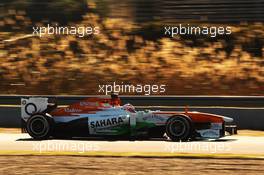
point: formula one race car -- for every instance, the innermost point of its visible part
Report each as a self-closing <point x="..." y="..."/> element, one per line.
<point x="105" y="117"/>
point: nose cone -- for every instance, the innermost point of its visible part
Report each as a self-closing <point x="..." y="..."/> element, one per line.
<point x="228" y="119"/>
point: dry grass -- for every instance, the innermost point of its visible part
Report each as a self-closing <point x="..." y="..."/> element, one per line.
<point x="73" y="65"/>
<point x="104" y="165"/>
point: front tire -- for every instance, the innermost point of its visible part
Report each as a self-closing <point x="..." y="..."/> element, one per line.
<point x="39" y="126"/>
<point x="179" y="128"/>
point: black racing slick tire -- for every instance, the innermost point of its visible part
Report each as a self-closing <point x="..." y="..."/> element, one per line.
<point x="40" y="126"/>
<point x="179" y="128"/>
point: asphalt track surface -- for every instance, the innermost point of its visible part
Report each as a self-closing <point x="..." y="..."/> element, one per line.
<point x="238" y="145"/>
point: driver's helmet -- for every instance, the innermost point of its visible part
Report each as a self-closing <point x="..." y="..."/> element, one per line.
<point x="129" y="107"/>
<point x="115" y="100"/>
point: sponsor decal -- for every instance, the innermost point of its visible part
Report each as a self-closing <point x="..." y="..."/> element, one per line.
<point x="154" y="117"/>
<point x="84" y="103"/>
<point x="106" y="122"/>
<point x="209" y="133"/>
<point x="72" y="110"/>
<point x="216" y="125"/>
<point x="24" y="102"/>
<point x="30" y="108"/>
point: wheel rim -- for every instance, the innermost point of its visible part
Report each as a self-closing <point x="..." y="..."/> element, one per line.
<point x="39" y="126"/>
<point x="177" y="128"/>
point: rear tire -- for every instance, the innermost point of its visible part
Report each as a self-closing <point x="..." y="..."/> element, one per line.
<point x="179" y="128"/>
<point x="40" y="126"/>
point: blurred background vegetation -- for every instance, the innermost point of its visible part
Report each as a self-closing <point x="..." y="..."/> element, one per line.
<point x="131" y="47"/>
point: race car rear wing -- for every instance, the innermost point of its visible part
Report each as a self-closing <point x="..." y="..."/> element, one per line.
<point x="33" y="105"/>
